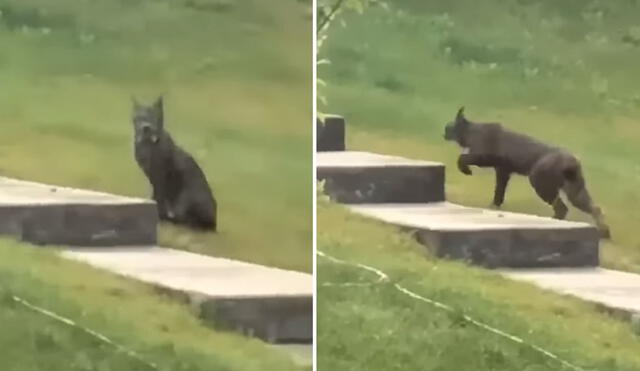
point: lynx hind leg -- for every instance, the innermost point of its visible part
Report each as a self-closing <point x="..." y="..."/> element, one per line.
<point x="180" y="208"/>
<point x="502" y="181"/>
<point x="579" y="197"/>
<point x="205" y="216"/>
<point x="194" y="211"/>
<point x="560" y="209"/>
<point x="547" y="184"/>
<point x="203" y="211"/>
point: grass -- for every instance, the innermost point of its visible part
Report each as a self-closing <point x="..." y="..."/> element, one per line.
<point x="132" y="314"/>
<point x="237" y="79"/>
<point x="391" y="331"/>
<point x="564" y="72"/>
<point x="560" y="71"/>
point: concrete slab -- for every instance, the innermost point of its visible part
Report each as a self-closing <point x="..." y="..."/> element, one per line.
<point x="272" y="304"/>
<point x="614" y="290"/>
<point x="492" y="238"/>
<point x="302" y="354"/>
<point x="330" y="134"/>
<point x="363" y="177"/>
<point x="45" y="214"/>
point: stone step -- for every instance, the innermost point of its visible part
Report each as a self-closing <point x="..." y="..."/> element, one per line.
<point x="51" y="215"/>
<point x="272" y="304"/>
<point x="614" y="290"/>
<point x="302" y="354"/>
<point x="492" y="238"/>
<point x="330" y="134"/>
<point x="363" y="177"/>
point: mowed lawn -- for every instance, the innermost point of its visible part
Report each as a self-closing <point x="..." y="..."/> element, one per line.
<point x="374" y="327"/>
<point x="564" y="72"/>
<point x="237" y="82"/>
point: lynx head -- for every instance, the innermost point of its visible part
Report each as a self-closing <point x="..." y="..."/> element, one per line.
<point x="457" y="129"/>
<point x="148" y="121"/>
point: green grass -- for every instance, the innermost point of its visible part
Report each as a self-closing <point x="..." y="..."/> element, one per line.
<point x="565" y="72"/>
<point x="562" y="71"/>
<point x="375" y="327"/>
<point x="132" y="314"/>
<point x="237" y="78"/>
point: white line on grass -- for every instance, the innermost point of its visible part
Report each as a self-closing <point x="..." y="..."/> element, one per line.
<point x="383" y="278"/>
<point x="93" y="333"/>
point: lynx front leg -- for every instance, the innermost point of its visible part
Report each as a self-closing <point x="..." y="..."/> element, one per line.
<point x="463" y="164"/>
<point x="164" y="211"/>
<point x="159" y="191"/>
<point x="467" y="159"/>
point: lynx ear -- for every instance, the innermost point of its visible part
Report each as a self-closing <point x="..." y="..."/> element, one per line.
<point x="158" y="106"/>
<point x="159" y="103"/>
<point x="134" y="102"/>
<point x="460" y="114"/>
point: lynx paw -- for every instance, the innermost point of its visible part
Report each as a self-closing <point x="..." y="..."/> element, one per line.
<point x="605" y="232"/>
<point x="603" y="228"/>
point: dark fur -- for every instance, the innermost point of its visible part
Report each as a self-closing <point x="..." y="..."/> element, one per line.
<point x="180" y="187"/>
<point x="550" y="169"/>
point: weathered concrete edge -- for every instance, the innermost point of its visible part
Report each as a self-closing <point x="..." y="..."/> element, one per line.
<point x="302" y="354"/>
<point x="122" y="199"/>
<point x="454" y="245"/>
<point x="78" y="224"/>
<point x="267" y="322"/>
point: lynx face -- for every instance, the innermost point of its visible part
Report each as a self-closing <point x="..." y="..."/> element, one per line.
<point x="148" y="122"/>
<point x="456" y="130"/>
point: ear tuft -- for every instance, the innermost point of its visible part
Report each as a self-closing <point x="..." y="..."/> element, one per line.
<point x="159" y="110"/>
<point x="159" y="102"/>
<point x="460" y="112"/>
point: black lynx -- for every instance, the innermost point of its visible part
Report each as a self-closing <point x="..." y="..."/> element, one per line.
<point x="550" y="169"/>
<point x="180" y="187"/>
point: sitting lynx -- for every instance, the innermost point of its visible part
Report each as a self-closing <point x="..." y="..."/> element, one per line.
<point x="180" y="187"/>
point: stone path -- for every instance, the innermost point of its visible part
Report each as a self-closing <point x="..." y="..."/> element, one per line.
<point x="45" y="214"/>
<point x="615" y="290"/>
<point x="111" y="232"/>
<point x="302" y="354"/>
<point x="492" y="238"/>
<point x="272" y="304"/>
<point x="364" y="177"/>
<point x="557" y="255"/>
